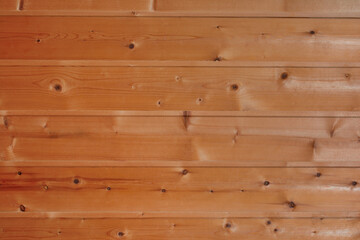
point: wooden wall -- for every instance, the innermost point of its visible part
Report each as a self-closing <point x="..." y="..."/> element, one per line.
<point x="192" y="119"/>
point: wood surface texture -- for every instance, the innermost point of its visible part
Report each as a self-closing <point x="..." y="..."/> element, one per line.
<point x="194" y="140"/>
<point x="186" y="192"/>
<point x="181" y="228"/>
<point x="212" y="8"/>
<point x="192" y="119"/>
<point x="181" y="39"/>
<point x="180" y="88"/>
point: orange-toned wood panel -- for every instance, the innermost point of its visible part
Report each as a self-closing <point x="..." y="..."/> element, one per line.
<point x="179" y="228"/>
<point x="234" y="40"/>
<point x="7" y="6"/>
<point x="255" y="141"/>
<point x="164" y="192"/>
<point x="179" y="88"/>
<point x="236" y="8"/>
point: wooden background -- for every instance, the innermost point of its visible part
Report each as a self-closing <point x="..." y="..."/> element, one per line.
<point x="191" y="119"/>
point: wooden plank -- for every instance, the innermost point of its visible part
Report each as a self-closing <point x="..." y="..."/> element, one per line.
<point x="8" y="6"/>
<point x="224" y="8"/>
<point x="179" y="228"/>
<point x="261" y="8"/>
<point x="189" y="192"/>
<point x="233" y="40"/>
<point x="179" y="88"/>
<point x="227" y="141"/>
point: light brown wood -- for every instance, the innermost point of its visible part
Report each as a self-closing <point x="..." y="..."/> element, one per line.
<point x="227" y="8"/>
<point x="256" y="141"/>
<point x="189" y="192"/>
<point x="191" y="119"/>
<point x="180" y="88"/>
<point x="7" y="6"/>
<point x="180" y="228"/>
<point x="181" y="39"/>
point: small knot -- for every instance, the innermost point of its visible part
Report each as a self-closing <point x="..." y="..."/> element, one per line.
<point x="22" y="208"/>
<point x="292" y="204"/>
<point x="312" y="32"/>
<point x="217" y="59"/>
<point x="275" y="230"/>
<point x="38" y="40"/>
<point x="284" y="75"/>
<point x="108" y="188"/>
<point x="185" y="171"/>
<point x="45" y="187"/>
<point x="163" y="190"/>
<point x="234" y="87"/>
<point x="228" y="225"/>
<point x="266" y="183"/>
<point x="268" y="222"/>
<point x="131" y="46"/>
<point x="57" y="87"/>
<point x="121" y="234"/>
<point x="354" y="183"/>
<point x="76" y="181"/>
<point x="318" y="174"/>
<point x="211" y="191"/>
<point x="19" y="173"/>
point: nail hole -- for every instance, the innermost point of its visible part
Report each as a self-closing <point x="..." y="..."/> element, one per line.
<point x="58" y="87"/>
<point x="45" y="187"/>
<point x="228" y="225"/>
<point x="354" y="183"/>
<point x="318" y="174"/>
<point x="292" y="205"/>
<point x="76" y="181"/>
<point x="234" y="87"/>
<point x="275" y="230"/>
<point x="185" y="171"/>
<point x="163" y="190"/>
<point x="131" y="46"/>
<point x="38" y="40"/>
<point x="268" y="222"/>
<point x="284" y="75"/>
<point x="158" y="103"/>
<point x="266" y="183"/>
<point x="120" y="234"/>
<point x="108" y="188"/>
<point x="19" y="173"/>
<point x="217" y="59"/>
<point x="22" y="208"/>
<point x="218" y="27"/>
<point x="211" y="190"/>
<point x="312" y="32"/>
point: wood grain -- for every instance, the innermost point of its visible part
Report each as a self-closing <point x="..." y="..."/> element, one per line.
<point x="224" y="8"/>
<point x="189" y="192"/>
<point x="324" y="41"/>
<point x="254" y="141"/>
<point x="179" y="88"/>
<point x="8" y="6"/>
<point x="179" y="228"/>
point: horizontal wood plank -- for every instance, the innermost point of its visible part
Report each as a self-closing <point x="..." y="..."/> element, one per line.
<point x="191" y="192"/>
<point x="8" y="6"/>
<point x="179" y="228"/>
<point x="228" y="141"/>
<point x="179" y="88"/>
<point x="181" y="39"/>
<point x="223" y="8"/>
